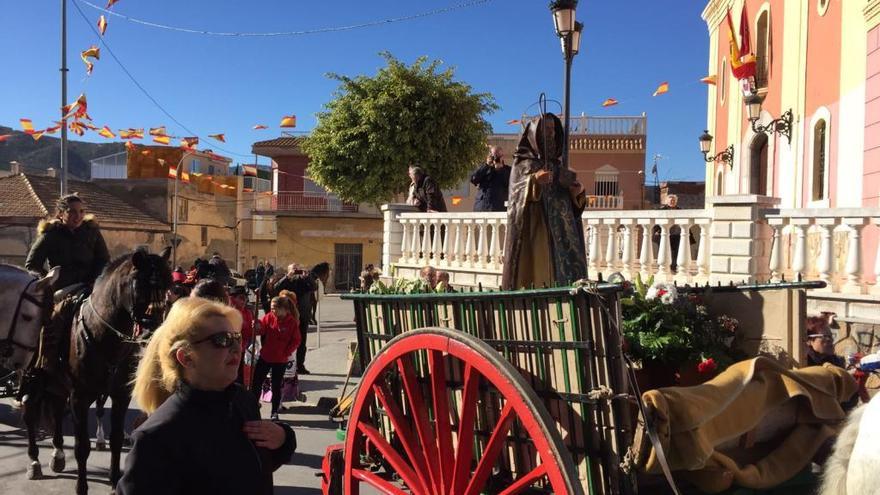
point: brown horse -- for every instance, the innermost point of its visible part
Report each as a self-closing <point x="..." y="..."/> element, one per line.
<point x="104" y="344"/>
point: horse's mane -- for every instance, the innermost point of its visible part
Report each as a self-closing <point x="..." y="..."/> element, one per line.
<point x="114" y="264"/>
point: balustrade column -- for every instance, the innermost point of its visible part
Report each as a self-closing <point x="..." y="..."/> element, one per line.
<point x="405" y="251"/>
<point x="853" y="283"/>
<point x="482" y="249"/>
<point x="611" y="247"/>
<point x="825" y="262"/>
<point x="426" y="242"/>
<point x="703" y="251"/>
<point x="683" y="260"/>
<point x="627" y="256"/>
<point x="444" y="241"/>
<point x="416" y="241"/>
<point x="664" y="268"/>
<point x="776" y="273"/>
<point x="646" y="257"/>
<point x="595" y="252"/>
<point x="494" y="251"/>
<point x="435" y="232"/>
<point x="799" y="260"/>
<point x="469" y="254"/>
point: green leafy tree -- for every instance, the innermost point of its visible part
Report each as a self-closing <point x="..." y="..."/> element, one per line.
<point x="375" y="127"/>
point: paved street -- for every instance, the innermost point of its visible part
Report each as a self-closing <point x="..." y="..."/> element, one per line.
<point x="328" y="365"/>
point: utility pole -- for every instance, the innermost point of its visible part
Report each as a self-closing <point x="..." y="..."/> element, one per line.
<point x="64" y="164"/>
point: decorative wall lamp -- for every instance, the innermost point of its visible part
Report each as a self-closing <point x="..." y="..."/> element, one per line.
<point x="781" y="126"/>
<point x="725" y="156"/>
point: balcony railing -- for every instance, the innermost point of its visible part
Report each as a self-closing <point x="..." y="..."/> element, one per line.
<point x="310" y="201"/>
<point x="730" y="242"/>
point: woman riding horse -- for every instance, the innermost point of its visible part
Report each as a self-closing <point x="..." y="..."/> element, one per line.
<point x="73" y="242"/>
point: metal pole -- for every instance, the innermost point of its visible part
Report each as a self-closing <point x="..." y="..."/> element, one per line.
<point x="174" y="221"/>
<point x="567" y="102"/>
<point x="64" y="165"/>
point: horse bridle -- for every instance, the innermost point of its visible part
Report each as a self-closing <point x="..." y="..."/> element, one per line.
<point x="9" y="342"/>
<point x="136" y="320"/>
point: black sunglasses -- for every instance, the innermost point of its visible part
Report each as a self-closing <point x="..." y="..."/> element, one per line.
<point x="222" y="340"/>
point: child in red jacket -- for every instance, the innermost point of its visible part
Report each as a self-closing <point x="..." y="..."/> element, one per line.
<point x="279" y="330"/>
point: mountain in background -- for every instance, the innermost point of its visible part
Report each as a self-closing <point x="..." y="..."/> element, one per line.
<point x="46" y="153"/>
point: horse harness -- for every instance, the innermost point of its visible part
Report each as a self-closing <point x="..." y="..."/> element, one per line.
<point x="7" y="344"/>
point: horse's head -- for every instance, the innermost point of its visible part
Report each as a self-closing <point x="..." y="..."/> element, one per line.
<point x="150" y="279"/>
<point x="25" y="307"/>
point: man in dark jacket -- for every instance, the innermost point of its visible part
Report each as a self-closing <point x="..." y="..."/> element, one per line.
<point x="305" y="286"/>
<point x="219" y="270"/>
<point x="71" y="241"/>
<point x="424" y="193"/>
<point x="493" y="180"/>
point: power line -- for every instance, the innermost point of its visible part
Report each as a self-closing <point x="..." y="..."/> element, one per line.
<point x="141" y="88"/>
<point x="333" y="29"/>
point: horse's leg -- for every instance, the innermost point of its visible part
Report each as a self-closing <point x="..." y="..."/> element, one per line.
<point x="32" y="424"/>
<point x="100" y="440"/>
<point x="117" y="432"/>
<point x="58" y="461"/>
<point x="82" y="445"/>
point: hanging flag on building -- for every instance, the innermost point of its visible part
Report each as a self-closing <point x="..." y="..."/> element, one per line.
<point x="106" y="132"/>
<point x="249" y="170"/>
<point x="662" y="89"/>
<point x="742" y="62"/>
<point x="93" y="52"/>
<point x="610" y="102"/>
<point x="713" y="79"/>
<point x="259" y="127"/>
<point x="158" y="131"/>
<point x="288" y="121"/>
<point x="218" y="137"/>
<point x="162" y="139"/>
<point x="102" y="25"/>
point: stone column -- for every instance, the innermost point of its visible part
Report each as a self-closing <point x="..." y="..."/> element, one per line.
<point x="392" y="234"/>
<point x="741" y="238"/>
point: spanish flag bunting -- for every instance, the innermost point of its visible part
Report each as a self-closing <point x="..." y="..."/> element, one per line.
<point x="110" y="3"/>
<point x="27" y="125"/>
<point x="77" y="109"/>
<point x="218" y="137"/>
<point x="161" y="161"/>
<point x="172" y="171"/>
<point x="610" y="102"/>
<point x="189" y="142"/>
<point x="288" y="121"/>
<point x="4" y="137"/>
<point x="456" y="200"/>
<point x="249" y="170"/>
<point x="129" y="146"/>
<point x="102" y="25"/>
<point x="76" y="127"/>
<point x="53" y="129"/>
<point x="662" y="89"/>
<point x="106" y="132"/>
<point x="93" y="52"/>
<point x="259" y="126"/>
<point x="184" y="177"/>
<point x="37" y="135"/>
<point x="131" y="134"/>
<point x="158" y="131"/>
<point x="713" y="79"/>
<point x="161" y="139"/>
<point x="90" y="126"/>
<point x="513" y="122"/>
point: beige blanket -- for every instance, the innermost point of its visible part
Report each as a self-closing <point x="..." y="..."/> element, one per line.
<point x="697" y="424"/>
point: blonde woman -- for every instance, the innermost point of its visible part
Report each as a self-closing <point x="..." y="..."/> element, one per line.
<point x="204" y="433"/>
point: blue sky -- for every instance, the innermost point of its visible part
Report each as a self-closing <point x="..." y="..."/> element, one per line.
<point x="228" y="84"/>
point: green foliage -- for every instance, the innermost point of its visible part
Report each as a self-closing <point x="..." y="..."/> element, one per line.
<point x="400" y="286"/>
<point x="375" y="127"/>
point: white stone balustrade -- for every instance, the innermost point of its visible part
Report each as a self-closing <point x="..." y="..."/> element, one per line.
<point x="736" y="239"/>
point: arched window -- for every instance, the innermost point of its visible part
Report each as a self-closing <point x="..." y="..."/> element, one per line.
<point x="820" y="160"/>
<point x="762" y="50"/>
<point x="606" y="183"/>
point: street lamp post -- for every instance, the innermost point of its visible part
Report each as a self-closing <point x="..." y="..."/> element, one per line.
<point x="175" y="210"/>
<point x="569" y="32"/>
<point x="725" y="156"/>
<point x="781" y="126"/>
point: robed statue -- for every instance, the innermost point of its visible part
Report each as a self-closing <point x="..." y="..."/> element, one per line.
<point x="545" y="237"/>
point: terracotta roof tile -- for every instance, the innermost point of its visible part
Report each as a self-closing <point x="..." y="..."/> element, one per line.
<point x="35" y="196"/>
<point x="272" y="147"/>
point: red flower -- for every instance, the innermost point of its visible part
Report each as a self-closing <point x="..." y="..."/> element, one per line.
<point x="707" y="366"/>
<point x="661" y="292"/>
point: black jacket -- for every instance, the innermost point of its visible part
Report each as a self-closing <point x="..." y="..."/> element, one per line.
<point x="81" y="253"/>
<point x="194" y="443"/>
<point x="493" y="187"/>
<point x="428" y="195"/>
<point x="305" y="287"/>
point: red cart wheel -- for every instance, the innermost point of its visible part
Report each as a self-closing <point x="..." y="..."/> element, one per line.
<point x="407" y="380"/>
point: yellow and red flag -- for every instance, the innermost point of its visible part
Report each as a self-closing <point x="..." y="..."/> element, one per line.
<point x="146" y="152"/>
<point x="249" y="170"/>
<point x="102" y="25"/>
<point x="106" y="132"/>
<point x="129" y="146"/>
<point x="161" y="161"/>
<point x="742" y="62"/>
<point x="259" y="126"/>
<point x="610" y="102"/>
<point x="110" y="3"/>
<point x="27" y="125"/>
<point x="189" y="142"/>
<point x="131" y="134"/>
<point x="76" y="127"/>
<point x="161" y="139"/>
<point x="713" y="80"/>
<point x="513" y="122"/>
<point x="37" y="135"/>
<point x="78" y="109"/>
<point x="53" y="129"/>
<point x="93" y="52"/>
<point x="662" y="89"/>
<point x="288" y="121"/>
<point x="184" y="177"/>
<point x="172" y="171"/>
<point x="218" y="137"/>
<point x="456" y="200"/>
<point x="158" y="131"/>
